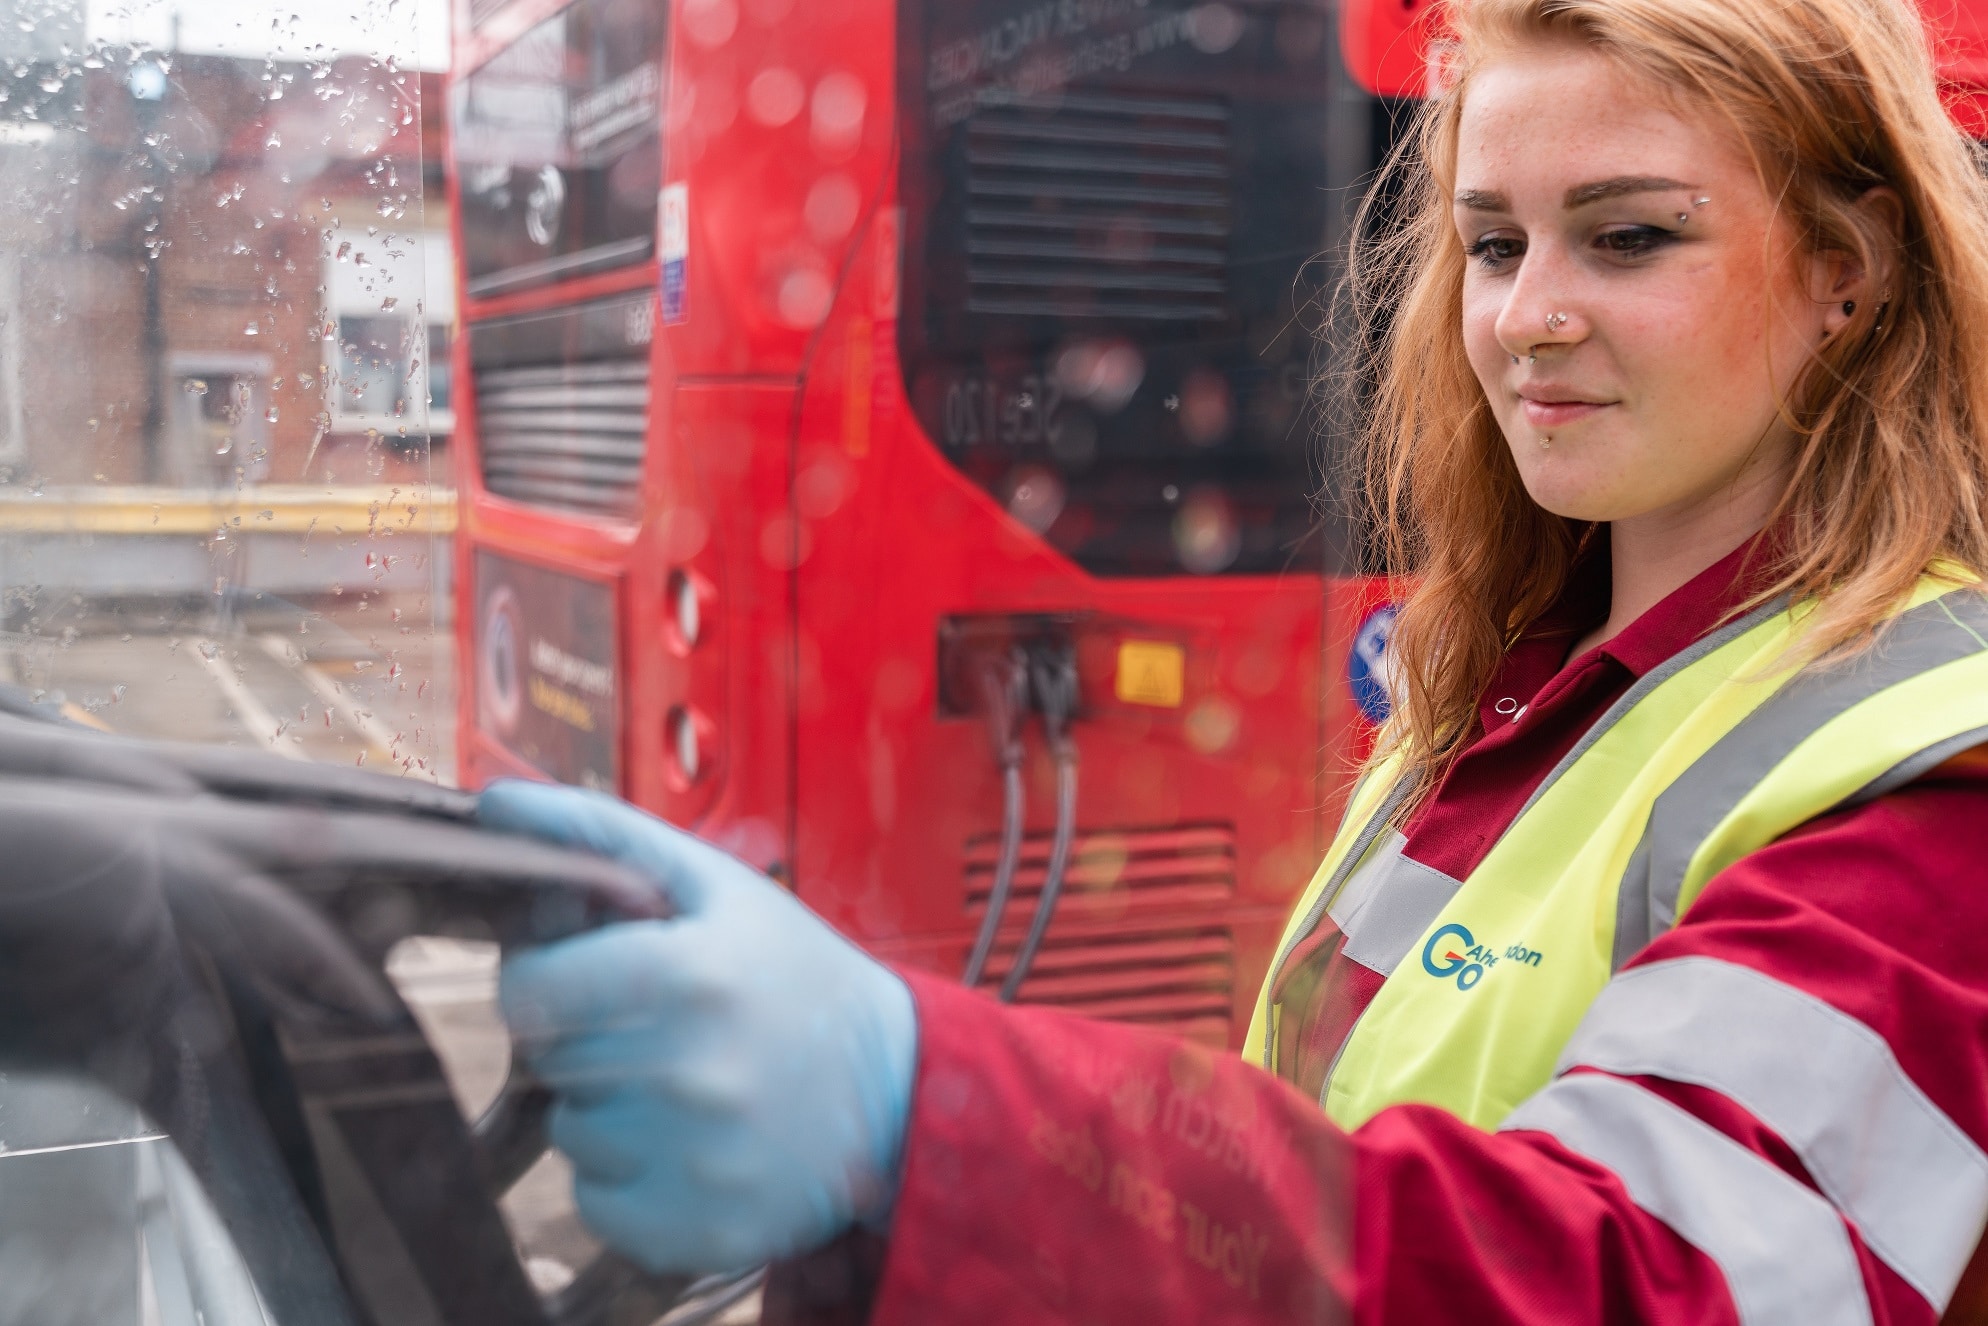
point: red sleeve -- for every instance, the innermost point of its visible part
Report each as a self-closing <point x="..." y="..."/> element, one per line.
<point x="1060" y="1170"/>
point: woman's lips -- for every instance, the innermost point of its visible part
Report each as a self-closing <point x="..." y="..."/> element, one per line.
<point x="1557" y="414"/>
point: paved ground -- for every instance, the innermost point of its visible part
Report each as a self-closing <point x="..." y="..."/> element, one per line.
<point x="351" y="684"/>
<point x="356" y="685"/>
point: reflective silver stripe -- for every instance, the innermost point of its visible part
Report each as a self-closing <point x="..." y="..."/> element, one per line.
<point x="1353" y="895"/>
<point x="1912" y="1182"/>
<point x="1397" y="899"/>
<point x="1635" y="918"/>
<point x="1920" y="762"/>
<point x="1376" y="822"/>
<point x="1786" y="1257"/>
<point x="1931" y="635"/>
<point x="1640" y="689"/>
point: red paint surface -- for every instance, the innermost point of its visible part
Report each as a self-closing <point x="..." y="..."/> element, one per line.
<point x="787" y="471"/>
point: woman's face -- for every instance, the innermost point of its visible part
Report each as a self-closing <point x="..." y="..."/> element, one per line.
<point x="1634" y="306"/>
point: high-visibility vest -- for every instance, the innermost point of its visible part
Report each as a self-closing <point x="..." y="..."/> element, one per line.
<point x="1716" y="753"/>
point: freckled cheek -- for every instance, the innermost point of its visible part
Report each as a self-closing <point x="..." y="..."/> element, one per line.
<point x="1480" y="339"/>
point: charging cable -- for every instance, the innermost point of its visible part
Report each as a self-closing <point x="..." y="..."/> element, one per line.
<point x="1004" y="690"/>
<point x="1053" y="678"/>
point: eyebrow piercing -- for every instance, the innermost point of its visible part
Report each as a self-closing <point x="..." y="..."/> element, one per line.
<point x="1555" y="321"/>
<point x="1683" y="217"/>
<point x="1700" y="202"/>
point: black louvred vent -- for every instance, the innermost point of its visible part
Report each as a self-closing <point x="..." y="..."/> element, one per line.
<point x="1138" y="935"/>
<point x="1114" y="205"/>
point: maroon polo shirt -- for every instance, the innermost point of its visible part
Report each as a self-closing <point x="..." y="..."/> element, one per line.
<point x="1536" y="709"/>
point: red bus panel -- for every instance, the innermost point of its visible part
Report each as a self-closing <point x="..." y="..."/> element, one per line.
<point x="968" y="329"/>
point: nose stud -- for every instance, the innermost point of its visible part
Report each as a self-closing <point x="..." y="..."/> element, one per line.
<point x="1555" y="321"/>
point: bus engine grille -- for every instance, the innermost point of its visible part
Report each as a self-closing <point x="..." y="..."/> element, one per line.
<point x="1114" y="205"/>
<point x="1138" y="935"/>
<point x="567" y="436"/>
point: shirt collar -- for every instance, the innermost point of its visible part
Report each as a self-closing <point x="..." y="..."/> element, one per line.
<point x="1690" y="612"/>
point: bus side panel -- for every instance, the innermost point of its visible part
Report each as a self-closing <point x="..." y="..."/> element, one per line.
<point x="718" y="517"/>
<point x="1199" y="819"/>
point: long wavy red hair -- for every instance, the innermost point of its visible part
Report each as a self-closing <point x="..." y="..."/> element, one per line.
<point x="1833" y="98"/>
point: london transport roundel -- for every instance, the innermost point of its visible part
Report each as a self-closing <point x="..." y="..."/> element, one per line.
<point x="1366" y="664"/>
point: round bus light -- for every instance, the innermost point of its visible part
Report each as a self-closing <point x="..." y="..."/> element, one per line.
<point x="693" y="741"/>
<point x="690" y="600"/>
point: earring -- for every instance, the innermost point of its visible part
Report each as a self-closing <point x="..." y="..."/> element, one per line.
<point x="1849" y="307"/>
<point x="1555" y="321"/>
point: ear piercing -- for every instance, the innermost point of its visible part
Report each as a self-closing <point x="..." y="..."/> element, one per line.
<point x="1555" y="321"/>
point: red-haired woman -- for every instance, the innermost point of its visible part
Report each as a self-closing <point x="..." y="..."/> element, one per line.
<point x="1646" y="978"/>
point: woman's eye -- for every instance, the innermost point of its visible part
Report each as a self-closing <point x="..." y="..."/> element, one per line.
<point x="1633" y="241"/>
<point x="1496" y="250"/>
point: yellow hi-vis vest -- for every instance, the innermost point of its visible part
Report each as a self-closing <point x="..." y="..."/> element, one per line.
<point x="1714" y="754"/>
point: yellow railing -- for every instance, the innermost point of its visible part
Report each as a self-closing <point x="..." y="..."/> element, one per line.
<point x="268" y="509"/>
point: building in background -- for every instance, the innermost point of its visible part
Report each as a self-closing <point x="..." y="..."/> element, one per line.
<point x="218" y="272"/>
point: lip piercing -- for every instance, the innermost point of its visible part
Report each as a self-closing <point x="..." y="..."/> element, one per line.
<point x="1555" y="321"/>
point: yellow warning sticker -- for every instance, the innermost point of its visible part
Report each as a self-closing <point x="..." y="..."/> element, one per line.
<point x="1151" y="672"/>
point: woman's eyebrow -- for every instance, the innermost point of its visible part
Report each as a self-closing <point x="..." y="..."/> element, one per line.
<point x="1488" y="200"/>
<point x="1583" y="194"/>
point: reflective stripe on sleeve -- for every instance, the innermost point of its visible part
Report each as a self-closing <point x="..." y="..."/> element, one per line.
<point x="1783" y="1250"/>
<point x="1913" y="1183"/>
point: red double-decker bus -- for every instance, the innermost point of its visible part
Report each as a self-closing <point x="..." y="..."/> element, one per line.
<point x="888" y="445"/>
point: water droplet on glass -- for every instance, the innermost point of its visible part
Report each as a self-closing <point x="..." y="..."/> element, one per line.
<point x="389" y="304"/>
<point x="196" y="387"/>
<point x="1170" y="493"/>
<point x="270" y="414"/>
<point x="1172" y="404"/>
<point x="224" y="445"/>
<point x="344" y="250"/>
<point x="209" y="650"/>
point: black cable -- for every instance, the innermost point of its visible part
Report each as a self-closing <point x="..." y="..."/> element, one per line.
<point x="1004" y="684"/>
<point x="1053" y="673"/>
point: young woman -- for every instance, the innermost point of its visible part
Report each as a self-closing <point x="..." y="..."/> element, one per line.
<point x="1645" y="980"/>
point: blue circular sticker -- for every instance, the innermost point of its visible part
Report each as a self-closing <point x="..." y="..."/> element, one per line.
<point x="1366" y="665"/>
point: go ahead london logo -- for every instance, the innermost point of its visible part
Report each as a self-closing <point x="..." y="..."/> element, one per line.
<point x="1453" y="953"/>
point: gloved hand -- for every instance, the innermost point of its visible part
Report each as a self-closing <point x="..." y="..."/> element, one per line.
<point x="733" y="1083"/>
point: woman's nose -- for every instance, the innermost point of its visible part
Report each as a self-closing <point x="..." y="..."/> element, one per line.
<point x="1541" y="308"/>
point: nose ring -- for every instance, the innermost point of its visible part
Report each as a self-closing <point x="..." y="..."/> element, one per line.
<point x="1555" y="321"/>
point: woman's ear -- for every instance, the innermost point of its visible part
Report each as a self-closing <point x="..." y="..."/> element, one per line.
<point x="1842" y="282"/>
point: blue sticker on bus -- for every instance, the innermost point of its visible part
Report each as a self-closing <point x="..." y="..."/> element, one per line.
<point x="1366" y="665"/>
<point x="673" y="250"/>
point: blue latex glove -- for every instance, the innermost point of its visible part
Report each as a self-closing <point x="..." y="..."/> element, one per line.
<point x="732" y="1084"/>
